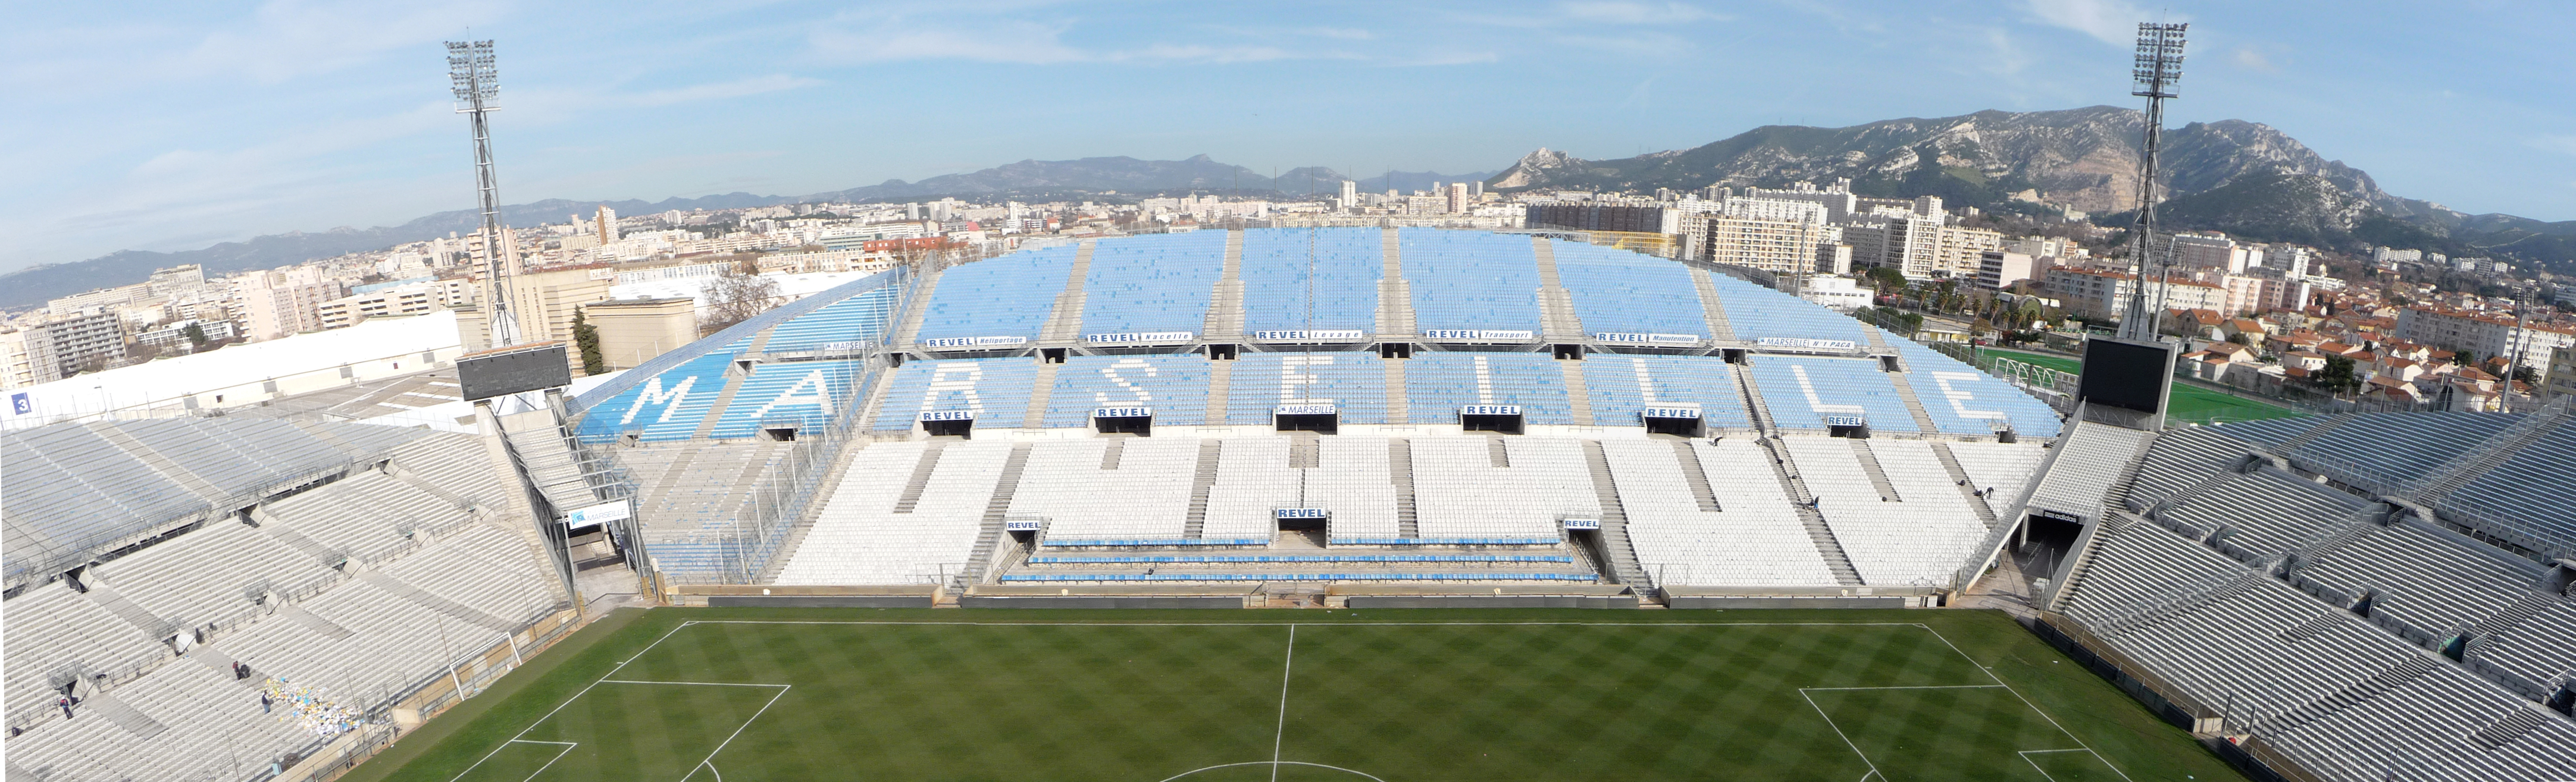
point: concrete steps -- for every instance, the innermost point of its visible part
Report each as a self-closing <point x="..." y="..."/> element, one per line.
<point x="1710" y="307"/>
<point x="1578" y="397"/>
<point x="1697" y="477"/>
<point x="1225" y="304"/>
<point x="1394" y="296"/>
<point x="1805" y="502"/>
<point x="1039" y="394"/>
<point x="1616" y="548"/>
<point x="1877" y="474"/>
<point x="1967" y="488"/>
<point x="1399" y="469"/>
<point x="1220" y="390"/>
<point x="920" y="480"/>
<point x="459" y="611"/>
<point x="1064" y="323"/>
<point x="1396" y="410"/>
<point x="1202" y="481"/>
<point x="995" y="510"/>
<point x="1556" y="307"/>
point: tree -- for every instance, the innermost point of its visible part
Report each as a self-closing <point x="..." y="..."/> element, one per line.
<point x="196" y="335"/>
<point x="586" y="338"/>
<point x="2466" y="358"/>
<point x="2338" y="375"/>
<point x="1886" y="279"/>
<point x="2527" y="375"/>
<point x="736" y="295"/>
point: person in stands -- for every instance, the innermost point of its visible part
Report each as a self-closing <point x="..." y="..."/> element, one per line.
<point x="66" y="703"/>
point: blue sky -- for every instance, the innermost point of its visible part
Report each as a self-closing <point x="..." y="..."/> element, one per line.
<point x="169" y="126"/>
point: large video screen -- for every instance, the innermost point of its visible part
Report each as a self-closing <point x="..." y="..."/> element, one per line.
<point x="505" y="372"/>
<point x="2125" y="375"/>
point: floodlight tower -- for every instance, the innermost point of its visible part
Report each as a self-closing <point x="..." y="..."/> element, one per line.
<point x="2157" y="67"/>
<point x="477" y="83"/>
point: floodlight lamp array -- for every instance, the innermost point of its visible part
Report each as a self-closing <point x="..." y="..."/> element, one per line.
<point x="2159" y="61"/>
<point x="474" y="74"/>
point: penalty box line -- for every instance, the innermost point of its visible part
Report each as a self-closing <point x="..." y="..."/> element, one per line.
<point x="550" y="713"/>
<point x="2025" y="701"/>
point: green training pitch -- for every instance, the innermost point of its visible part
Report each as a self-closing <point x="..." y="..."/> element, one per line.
<point x="1393" y="696"/>
<point x="2190" y="402"/>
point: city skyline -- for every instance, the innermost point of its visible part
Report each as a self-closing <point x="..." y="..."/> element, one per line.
<point x="221" y="124"/>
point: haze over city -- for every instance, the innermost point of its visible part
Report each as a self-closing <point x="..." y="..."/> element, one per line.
<point x="137" y="126"/>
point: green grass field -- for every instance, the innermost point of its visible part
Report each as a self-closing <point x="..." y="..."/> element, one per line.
<point x="2190" y="402"/>
<point x="1393" y="696"/>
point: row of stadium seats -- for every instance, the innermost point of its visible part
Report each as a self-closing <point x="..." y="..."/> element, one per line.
<point x="1480" y="575"/>
<point x="1316" y="279"/>
<point x="1145" y="494"/>
<point x="1470" y="280"/>
<point x="1153" y="283"/>
<point x="76" y="485"/>
<point x="1618" y="387"/>
<point x="2000" y="470"/>
<point x="1227" y="559"/>
<point x="859" y="318"/>
<point x="440" y="577"/>
<point x="1800" y="391"/>
<point x="1459" y="492"/>
<point x="1007" y="296"/>
<point x="1920" y="538"/>
<point x="1754" y="538"/>
<point x="2336" y="657"/>
<point x="2318" y="683"/>
<point x="1618" y="291"/>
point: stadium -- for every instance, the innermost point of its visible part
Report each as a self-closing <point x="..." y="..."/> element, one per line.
<point x="1444" y="445"/>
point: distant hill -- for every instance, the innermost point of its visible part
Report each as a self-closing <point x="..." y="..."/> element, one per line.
<point x="1027" y="180"/>
<point x="2245" y="178"/>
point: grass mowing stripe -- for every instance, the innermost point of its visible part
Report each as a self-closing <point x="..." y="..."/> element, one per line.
<point x="1082" y="696"/>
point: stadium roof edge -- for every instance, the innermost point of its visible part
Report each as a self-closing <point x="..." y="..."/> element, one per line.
<point x="739" y="331"/>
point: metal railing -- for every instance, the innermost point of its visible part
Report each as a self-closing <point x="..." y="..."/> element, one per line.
<point x="786" y="492"/>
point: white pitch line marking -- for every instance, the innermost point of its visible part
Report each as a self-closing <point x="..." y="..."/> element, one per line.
<point x="550" y="714"/>
<point x="550" y="762"/>
<point x="1838" y="731"/>
<point x="1279" y="738"/>
<point x="710" y="761"/>
<point x="1274" y="764"/>
<point x="2043" y="714"/>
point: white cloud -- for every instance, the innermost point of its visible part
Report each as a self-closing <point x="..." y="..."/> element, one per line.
<point x="2559" y="143"/>
<point x="2113" y="21"/>
<point x="2246" y="57"/>
<point x="1623" y="12"/>
<point x="731" y="89"/>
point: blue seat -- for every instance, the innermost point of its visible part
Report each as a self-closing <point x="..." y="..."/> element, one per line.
<point x="1470" y="280"/>
<point x="1153" y="283"/>
<point x="1622" y="386"/>
<point x="1174" y="386"/>
<point x="1437" y="384"/>
<point x="1801" y="390"/>
<point x="1355" y="382"/>
<point x="801" y="394"/>
<point x="1009" y="296"/>
<point x="996" y="390"/>
<point x="1619" y="291"/>
<point x="1311" y="278"/>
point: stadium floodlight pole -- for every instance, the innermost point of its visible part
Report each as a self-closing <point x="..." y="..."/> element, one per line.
<point x="2157" y="67"/>
<point x="476" y="80"/>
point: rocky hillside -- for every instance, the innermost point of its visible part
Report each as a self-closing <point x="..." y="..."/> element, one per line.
<point x="2245" y="178"/>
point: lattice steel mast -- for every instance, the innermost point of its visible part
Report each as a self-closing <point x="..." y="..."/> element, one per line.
<point x="2157" y="68"/>
<point x="477" y="83"/>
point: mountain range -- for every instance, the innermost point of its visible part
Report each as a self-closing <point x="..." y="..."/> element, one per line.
<point x="1099" y="179"/>
<point x="2245" y="178"/>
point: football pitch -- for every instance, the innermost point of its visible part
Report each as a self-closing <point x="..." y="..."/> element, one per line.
<point x="2190" y="402"/>
<point x="1386" y="695"/>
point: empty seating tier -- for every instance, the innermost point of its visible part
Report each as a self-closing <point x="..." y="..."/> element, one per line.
<point x="1470" y="280"/>
<point x="1152" y="284"/>
<point x="993" y="391"/>
<point x="800" y="395"/>
<point x="1623" y="387"/>
<point x="1175" y="388"/>
<point x="1009" y="296"/>
<point x="1436" y="385"/>
<point x="1322" y="279"/>
<point x="1753" y="539"/>
<point x="1621" y="292"/>
<point x="1805" y="393"/>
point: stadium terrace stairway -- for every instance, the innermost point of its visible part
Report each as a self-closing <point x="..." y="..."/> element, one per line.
<point x="1395" y="291"/>
<point x="1712" y="307"/>
<point x="1064" y="320"/>
<point x="1616" y="547"/>
<point x="1804" y="502"/>
<point x="1225" y="304"/>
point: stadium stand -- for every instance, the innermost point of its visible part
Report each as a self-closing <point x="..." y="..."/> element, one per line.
<point x="1009" y="296"/>
<point x="1470" y="280"/>
<point x="1621" y="387"/>
<point x="833" y="328"/>
<point x="1800" y="391"/>
<point x="1520" y="487"/>
<point x="994" y="390"/>
<point x="1916" y="539"/>
<point x="1755" y="312"/>
<point x="792" y="395"/>
<point x="1751" y="538"/>
<point x="1334" y="289"/>
<point x="1108" y="488"/>
<point x="1151" y="284"/>
<point x="1437" y="384"/>
<point x="1353" y="382"/>
<point x="325" y="557"/>
<point x="1174" y="387"/>
<point x="1617" y="291"/>
<point x="868" y="534"/>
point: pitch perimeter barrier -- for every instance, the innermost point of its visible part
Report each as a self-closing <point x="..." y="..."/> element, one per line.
<point x="399" y="716"/>
<point x="727" y="595"/>
<point x="2168" y="701"/>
